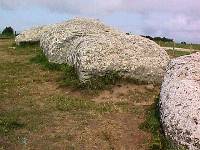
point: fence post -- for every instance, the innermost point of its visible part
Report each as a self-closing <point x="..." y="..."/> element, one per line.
<point x="173" y="48"/>
<point x="190" y="48"/>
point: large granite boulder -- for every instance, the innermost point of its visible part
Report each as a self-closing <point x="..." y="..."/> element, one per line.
<point x="32" y="35"/>
<point x="95" y="49"/>
<point x="180" y="101"/>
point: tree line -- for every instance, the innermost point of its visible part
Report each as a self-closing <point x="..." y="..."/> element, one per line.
<point x="9" y="32"/>
<point x="162" y="39"/>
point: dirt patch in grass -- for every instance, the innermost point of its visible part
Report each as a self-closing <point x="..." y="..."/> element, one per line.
<point x="125" y="92"/>
<point x="38" y="113"/>
<point x="114" y="131"/>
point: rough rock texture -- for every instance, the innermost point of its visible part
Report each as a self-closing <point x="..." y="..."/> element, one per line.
<point x="32" y="35"/>
<point x="94" y="49"/>
<point x="180" y="101"/>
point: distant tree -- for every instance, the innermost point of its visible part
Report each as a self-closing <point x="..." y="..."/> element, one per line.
<point x="162" y="39"/>
<point x="148" y="37"/>
<point x="8" y="31"/>
<point x="184" y="43"/>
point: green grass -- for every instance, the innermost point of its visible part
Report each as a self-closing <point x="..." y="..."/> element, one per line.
<point x="17" y="78"/>
<point x="81" y="105"/>
<point x="152" y="124"/>
<point x="177" y="53"/>
<point x="72" y="104"/>
<point x="6" y="37"/>
<point x="40" y="58"/>
<point x="24" y="49"/>
<point x="101" y="82"/>
<point x="27" y="44"/>
<point x="27" y="120"/>
<point x="9" y="122"/>
<point x="179" y="45"/>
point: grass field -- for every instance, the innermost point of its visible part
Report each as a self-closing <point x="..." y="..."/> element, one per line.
<point x="177" y="53"/>
<point x="38" y="111"/>
<point x="179" y="45"/>
<point x="6" y="37"/>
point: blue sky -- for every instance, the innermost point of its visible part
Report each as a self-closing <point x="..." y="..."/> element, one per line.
<point x="178" y="19"/>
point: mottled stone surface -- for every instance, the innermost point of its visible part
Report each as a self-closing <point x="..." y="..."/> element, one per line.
<point x="180" y="101"/>
<point x="32" y="35"/>
<point x="94" y="49"/>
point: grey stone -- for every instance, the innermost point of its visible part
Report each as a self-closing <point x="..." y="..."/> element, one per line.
<point x="180" y="101"/>
<point x="32" y="35"/>
<point x="95" y="49"/>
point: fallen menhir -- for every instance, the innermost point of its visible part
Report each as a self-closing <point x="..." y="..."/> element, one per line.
<point x="96" y="49"/>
